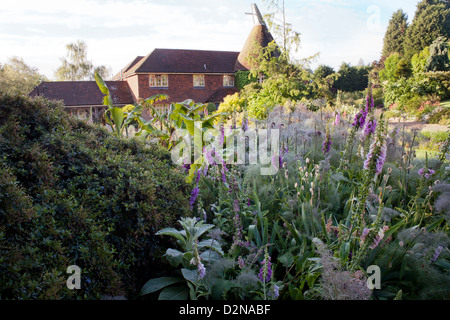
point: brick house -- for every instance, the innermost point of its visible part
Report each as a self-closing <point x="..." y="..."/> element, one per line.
<point x="201" y="75"/>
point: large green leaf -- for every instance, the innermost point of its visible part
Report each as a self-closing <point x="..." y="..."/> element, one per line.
<point x="190" y="275"/>
<point x="156" y="97"/>
<point x="172" y="232"/>
<point x="344" y="251"/>
<point x="156" y="284"/>
<point x="174" y="293"/>
<point x="107" y="101"/>
<point x="295" y="233"/>
<point x="443" y="263"/>
<point x="253" y="232"/>
<point x="146" y="127"/>
<point x="210" y="255"/>
<point x="118" y="117"/>
<point x="198" y="231"/>
<point x="189" y="122"/>
<point x="174" y="257"/>
<point x="101" y="84"/>
<point x="210" y="243"/>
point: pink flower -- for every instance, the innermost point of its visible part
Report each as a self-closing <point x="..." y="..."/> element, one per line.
<point x="378" y="237"/>
<point x="364" y="234"/>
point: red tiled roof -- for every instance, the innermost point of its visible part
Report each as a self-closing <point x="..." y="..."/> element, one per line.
<point x="186" y="61"/>
<point x="119" y="76"/>
<point x="261" y="36"/>
<point x="80" y="93"/>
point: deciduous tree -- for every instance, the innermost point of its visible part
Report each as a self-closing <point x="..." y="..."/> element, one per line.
<point x="77" y="67"/>
<point x="281" y="29"/>
<point x="18" y="77"/>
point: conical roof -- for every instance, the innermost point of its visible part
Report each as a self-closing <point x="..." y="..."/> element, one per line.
<point x="259" y="35"/>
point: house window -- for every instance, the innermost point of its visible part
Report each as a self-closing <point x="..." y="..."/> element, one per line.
<point x="199" y="80"/>
<point x="261" y="78"/>
<point x="159" y="80"/>
<point x="163" y="108"/>
<point x="228" y="81"/>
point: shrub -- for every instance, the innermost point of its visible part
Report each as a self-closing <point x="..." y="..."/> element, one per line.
<point x="243" y="78"/>
<point x="441" y="117"/>
<point x="73" y="194"/>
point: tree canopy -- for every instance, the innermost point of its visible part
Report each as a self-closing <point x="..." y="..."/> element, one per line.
<point x="395" y="33"/>
<point x="323" y="71"/>
<point x="431" y="20"/>
<point x="77" y="67"/>
<point x="18" y="77"/>
<point x="350" y="78"/>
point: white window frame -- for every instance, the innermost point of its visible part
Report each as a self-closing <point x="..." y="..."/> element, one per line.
<point x="261" y="78"/>
<point x="163" y="108"/>
<point x="228" y="80"/>
<point x="198" y="80"/>
<point x="159" y="81"/>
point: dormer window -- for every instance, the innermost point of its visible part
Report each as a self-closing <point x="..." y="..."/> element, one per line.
<point x="159" y="80"/>
<point x="261" y="78"/>
<point x="228" y="81"/>
<point x="199" y="80"/>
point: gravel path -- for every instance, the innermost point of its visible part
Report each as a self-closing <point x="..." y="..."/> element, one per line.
<point x="421" y="126"/>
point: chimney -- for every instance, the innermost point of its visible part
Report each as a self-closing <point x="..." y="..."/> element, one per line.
<point x="259" y="34"/>
<point x="257" y="17"/>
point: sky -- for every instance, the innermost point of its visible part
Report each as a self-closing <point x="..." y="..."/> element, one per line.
<point x="116" y="31"/>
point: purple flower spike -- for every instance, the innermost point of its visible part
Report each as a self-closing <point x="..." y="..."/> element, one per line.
<point x="194" y="195"/>
<point x="370" y="127"/>
<point x="269" y="271"/>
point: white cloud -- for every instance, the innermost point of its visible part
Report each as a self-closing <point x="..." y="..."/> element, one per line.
<point x="116" y="31"/>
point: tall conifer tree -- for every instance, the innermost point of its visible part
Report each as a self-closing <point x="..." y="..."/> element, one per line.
<point x="395" y="33"/>
<point x="431" y="20"/>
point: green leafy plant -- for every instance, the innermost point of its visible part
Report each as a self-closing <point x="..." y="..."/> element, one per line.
<point x="192" y="254"/>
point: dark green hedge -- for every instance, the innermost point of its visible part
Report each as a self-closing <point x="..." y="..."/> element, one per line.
<point x="73" y="194"/>
<point x="243" y="78"/>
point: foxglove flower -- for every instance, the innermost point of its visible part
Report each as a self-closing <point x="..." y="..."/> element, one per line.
<point x="194" y="195"/>
<point x="244" y="124"/>
<point x="241" y="262"/>
<point x="337" y="118"/>
<point x="275" y="292"/>
<point x="224" y="177"/>
<point x="186" y="167"/>
<point x="222" y="134"/>
<point x="327" y="143"/>
<point x="197" y="179"/>
<point x="371" y="125"/>
<point x="378" y="237"/>
<point x="364" y="234"/>
<point x="201" y="270"/>
<point x="437" y="253"/>
<point x="360" y="119"/>
<point x="375" y="158"/>
<point x="369" y="101"/>
<point x="236" y="205"/>
<point x="427" y="173"/>
<point x="277" y="161"/>
<point x="265" y="269"/>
